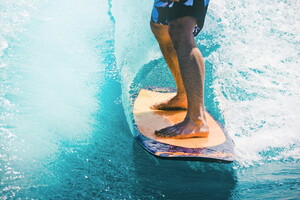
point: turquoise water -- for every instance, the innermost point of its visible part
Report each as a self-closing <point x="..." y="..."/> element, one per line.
<point x="68" y="68"/>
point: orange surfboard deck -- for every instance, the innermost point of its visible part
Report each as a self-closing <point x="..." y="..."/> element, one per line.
<point x="216" y="147"/>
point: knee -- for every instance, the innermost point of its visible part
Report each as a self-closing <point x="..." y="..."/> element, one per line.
<point x="175" y="31"/>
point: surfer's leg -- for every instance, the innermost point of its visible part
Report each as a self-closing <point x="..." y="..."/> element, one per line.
<point x="192" y="72"/>
<point x="162" y="36"/>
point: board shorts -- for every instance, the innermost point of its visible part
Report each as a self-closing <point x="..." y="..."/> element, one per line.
<point x="165" y="11"/>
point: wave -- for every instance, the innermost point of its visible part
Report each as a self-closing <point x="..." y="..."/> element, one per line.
<point x="51" y="72"/>
<point x="251" y="65"/>
<point x="251" y="60"/>
<point x="256" y="78"/>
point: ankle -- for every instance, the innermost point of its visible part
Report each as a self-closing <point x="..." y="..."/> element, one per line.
<point x="181" y="95"/>
<point x="199" y="119"/>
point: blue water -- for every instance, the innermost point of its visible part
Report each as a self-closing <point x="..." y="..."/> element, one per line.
<point x="67" y="73"/>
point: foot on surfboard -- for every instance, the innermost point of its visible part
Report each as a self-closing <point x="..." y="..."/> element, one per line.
<point x="216" y="147"/>
<point x="183" y="130"/>
<point x="178" y="102"/>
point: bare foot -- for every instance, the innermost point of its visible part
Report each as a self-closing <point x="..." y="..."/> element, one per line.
<point x="185" y="129"/>
<point x="179" y="102"/>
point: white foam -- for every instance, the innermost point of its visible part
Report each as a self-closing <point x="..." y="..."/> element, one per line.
<point x="257" y="82"/>
<point x="51" y="76"/>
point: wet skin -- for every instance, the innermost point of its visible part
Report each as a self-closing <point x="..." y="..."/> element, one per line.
<point x="187" y="66"/>
<point x="179" y="101"/>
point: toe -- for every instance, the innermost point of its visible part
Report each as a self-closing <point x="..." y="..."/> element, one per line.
<point x="160" y="132"/>
<point x="154" y="107"/>
<point x="163" y="132"/>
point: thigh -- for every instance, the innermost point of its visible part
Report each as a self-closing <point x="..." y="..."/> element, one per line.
<point x="193" y="8"/>
<point x="182" y="25"/>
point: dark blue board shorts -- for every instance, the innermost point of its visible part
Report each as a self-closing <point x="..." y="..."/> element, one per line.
<point x="165" y="11"/>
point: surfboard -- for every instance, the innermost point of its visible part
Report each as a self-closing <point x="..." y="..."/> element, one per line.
<point x="217" y="147"/>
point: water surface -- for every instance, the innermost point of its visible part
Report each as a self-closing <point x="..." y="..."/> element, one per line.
<point x="68" y="69"/>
